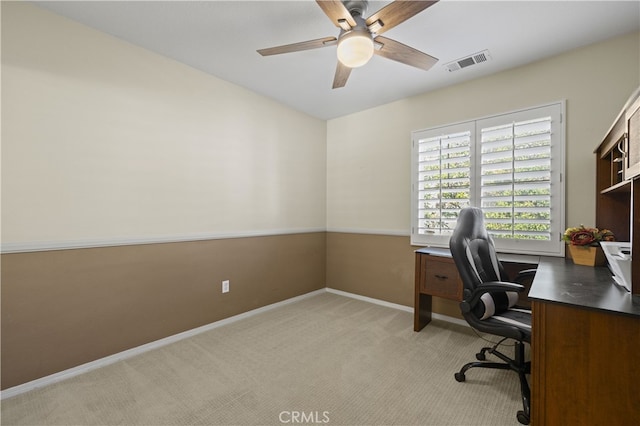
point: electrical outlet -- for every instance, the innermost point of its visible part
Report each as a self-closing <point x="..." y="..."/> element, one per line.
<point x="225" y="286"/>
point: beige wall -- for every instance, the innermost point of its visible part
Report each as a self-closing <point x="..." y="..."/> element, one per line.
<point x="368" y="153"/>
<point x="105" y="141"/>
<point x="377" y="266"/>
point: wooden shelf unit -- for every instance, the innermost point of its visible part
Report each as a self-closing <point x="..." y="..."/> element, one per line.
<point x="618" y="181"/>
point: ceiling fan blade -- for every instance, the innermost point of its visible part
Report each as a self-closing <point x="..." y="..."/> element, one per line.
<point x="296" y="47"/>
<point x="342" y="74"/>
<point x="397" y="51"/>
<point x="395" y="13"/>
<point x="336" y="11"/>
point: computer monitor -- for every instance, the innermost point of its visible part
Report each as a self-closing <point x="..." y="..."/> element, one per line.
<point x="619" y="257"/>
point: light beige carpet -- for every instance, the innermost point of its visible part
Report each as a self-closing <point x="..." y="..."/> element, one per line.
<point x="327" y="359"/>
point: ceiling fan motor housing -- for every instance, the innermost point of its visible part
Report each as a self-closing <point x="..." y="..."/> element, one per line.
<point x="356" y="7"/>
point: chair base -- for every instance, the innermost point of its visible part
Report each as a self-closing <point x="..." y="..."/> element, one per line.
<point x="518" y="365"/>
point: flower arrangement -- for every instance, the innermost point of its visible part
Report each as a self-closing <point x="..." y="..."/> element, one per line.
<point x="582" y="236"/>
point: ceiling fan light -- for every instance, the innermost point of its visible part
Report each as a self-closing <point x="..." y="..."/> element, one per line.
<point x="355" y="49"/>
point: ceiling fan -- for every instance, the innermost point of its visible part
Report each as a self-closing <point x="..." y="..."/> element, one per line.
<point x="360" y="38"/>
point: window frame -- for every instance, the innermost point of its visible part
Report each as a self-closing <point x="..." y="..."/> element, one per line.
<point x="552" y="247"/>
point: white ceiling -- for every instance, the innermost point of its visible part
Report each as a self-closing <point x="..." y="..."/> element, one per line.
<point x="221" y="38"/>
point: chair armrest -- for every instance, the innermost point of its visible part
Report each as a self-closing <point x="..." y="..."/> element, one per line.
<point x="525" y="274"/>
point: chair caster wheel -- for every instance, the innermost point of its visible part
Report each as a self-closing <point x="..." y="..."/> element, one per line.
<point x="459" y="377"/>
<point x="523" y="418"/>
<point x="480" y="356"/>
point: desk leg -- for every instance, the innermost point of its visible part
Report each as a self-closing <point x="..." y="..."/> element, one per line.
<point x="422" y="311"/>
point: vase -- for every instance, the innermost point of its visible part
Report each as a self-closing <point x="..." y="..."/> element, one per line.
<point x="587" y="255"/>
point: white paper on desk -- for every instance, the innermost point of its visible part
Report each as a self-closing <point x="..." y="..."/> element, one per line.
<point x="619" y="261"/>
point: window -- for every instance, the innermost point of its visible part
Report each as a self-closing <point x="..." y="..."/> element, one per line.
<point x="510" y="165"/>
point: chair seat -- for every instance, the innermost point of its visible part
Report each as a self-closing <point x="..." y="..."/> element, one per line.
<point x="520" y="318"/>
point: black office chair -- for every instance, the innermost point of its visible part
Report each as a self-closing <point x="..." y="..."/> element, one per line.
<point x="489" y="299"/>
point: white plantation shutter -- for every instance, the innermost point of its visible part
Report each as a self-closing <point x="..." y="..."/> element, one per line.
<point x="443" y="179"/>
<point x="510" y="165"/>
<point x="516" y="179"/>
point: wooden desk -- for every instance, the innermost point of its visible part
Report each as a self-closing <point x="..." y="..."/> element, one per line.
<point x="585" y="350"/>
<point x="436" y="275"/>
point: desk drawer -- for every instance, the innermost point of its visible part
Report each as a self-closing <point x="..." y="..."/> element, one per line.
<point x="441" y="278"/>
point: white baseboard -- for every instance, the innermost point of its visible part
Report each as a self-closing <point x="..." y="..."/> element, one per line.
<point x="371" y="300"/>
<point x="447" y="318"/>
<point x="102" y="362"/>
<point x="404" y="308"/>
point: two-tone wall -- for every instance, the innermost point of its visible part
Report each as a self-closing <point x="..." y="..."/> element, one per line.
<point x="164" y="181"/>
<point x="368" y="157"/>
<point x="132" y="185"/>
<point x="64" y="308"/>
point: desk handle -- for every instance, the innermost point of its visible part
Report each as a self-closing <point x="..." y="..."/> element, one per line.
<point x="441" y="277"/>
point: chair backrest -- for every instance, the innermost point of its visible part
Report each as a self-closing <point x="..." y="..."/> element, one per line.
<point x="475" y="257"/>
<point x="473" y="250"/>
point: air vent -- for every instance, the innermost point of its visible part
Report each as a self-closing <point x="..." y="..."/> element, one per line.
<point x="476" y="58"/>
